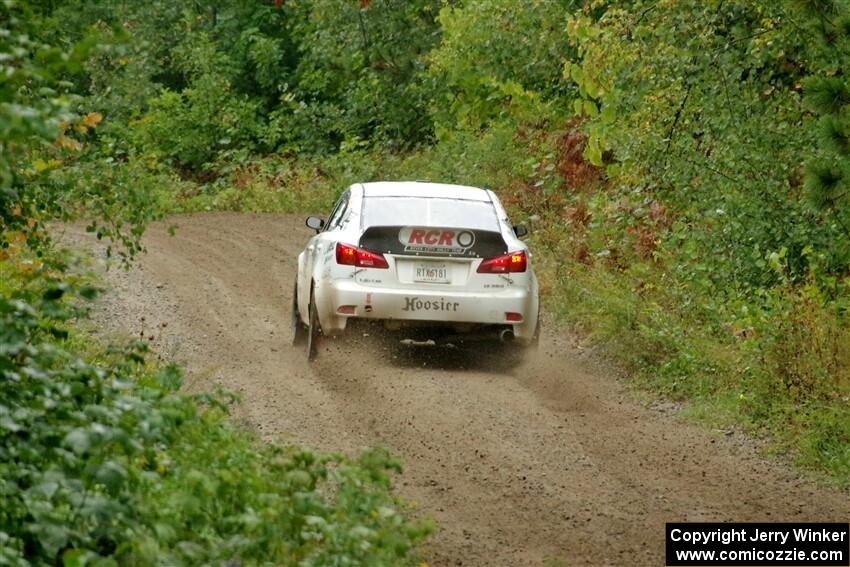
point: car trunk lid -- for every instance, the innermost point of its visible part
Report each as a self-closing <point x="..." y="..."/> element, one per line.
<point x="429" y="256"/>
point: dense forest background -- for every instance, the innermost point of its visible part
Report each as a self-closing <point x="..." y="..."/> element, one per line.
<point x="684" y="166"/>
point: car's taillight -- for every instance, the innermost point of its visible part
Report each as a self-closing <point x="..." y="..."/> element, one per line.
<point x="509" y="263"/>
<point x="352" y="256"/>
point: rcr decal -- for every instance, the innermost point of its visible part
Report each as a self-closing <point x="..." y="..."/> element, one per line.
<point x="415" y="304"/>
<point x="436" y="240"/>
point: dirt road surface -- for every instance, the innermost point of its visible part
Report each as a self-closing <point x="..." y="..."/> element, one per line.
<point x="551" y="462"/>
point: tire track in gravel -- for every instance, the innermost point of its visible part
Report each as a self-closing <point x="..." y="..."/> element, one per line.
<point x="552" y="460"/>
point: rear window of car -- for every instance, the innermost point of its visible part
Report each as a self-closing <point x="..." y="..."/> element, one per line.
<point x="429" y="211"/>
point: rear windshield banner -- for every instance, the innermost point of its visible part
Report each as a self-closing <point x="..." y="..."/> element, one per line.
<point x="433" y="241"/>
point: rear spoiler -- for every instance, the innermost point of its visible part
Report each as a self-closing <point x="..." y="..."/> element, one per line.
<point x="434" y="241"/>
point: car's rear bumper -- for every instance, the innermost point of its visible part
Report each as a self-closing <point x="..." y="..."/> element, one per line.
<point x="345" y="298"/>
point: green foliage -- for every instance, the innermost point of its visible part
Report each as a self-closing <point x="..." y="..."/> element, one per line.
<point x="828" y="94"/>
<point x="31" y="109"/>
<point x="43" y="137"/>
<point x="499" y="58"/>
<point x="700" y="108"/>
<point x="361" y="75"/>
<point x="835" y="135"/>
<point x="824" y="184"/>
<point x="195" y="80"/>
<point x="194" y="126"/>
<point x="102" y="462"/>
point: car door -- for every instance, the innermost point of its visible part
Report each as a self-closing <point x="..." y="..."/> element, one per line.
<point x="316" y="252"/>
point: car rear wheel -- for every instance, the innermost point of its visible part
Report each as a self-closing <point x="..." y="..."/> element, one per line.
<point x="535" y="339"/>
<point x="314" y="330"/>
<point x="299" y="331"/>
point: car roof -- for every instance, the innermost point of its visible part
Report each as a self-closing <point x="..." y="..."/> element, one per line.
<point x="424" y="189"/>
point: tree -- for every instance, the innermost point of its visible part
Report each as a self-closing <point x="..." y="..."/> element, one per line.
<point x="827" y="94"/>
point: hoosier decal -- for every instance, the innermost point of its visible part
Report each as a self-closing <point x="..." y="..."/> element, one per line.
<point x="436" y="240"/>
<point x="416" y="304"/>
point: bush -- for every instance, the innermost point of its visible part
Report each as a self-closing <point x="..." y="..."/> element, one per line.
<point x="193" y="126"/>
<point x="103" y="462"/>
<point x="499" y="57"/>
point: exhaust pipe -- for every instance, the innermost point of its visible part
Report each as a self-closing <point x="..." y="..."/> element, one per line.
<point x="506" y="335"/>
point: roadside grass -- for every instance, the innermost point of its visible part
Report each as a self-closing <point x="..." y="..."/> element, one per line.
<point x="782" y="372"/>
<point x="785" y="386"/>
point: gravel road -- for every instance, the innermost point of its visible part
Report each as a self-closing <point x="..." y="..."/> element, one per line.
<point x="549" y="462"/>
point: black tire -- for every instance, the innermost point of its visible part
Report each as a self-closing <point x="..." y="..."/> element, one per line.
<point x="532" y="347"/>
<point x="535" y="339"/>
<point x="299" y="331"/>
<point x="314" y="331"/>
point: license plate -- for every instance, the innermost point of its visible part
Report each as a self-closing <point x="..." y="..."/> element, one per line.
<point x="431" y="272"/>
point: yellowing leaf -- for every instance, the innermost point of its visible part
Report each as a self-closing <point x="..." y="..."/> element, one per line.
<point x="26" y="266"/>
<point x="69" y="143"/>
<point x="92" y="119"/>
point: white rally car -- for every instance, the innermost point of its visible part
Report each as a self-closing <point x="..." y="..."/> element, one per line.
<point x="416" y="254"/>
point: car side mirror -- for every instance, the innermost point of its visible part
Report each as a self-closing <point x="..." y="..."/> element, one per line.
<point x="316" y="223"/>
<point x="520" y="230"/>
